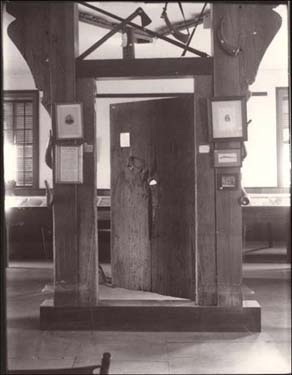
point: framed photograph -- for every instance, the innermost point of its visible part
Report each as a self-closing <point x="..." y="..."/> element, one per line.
<point x="68" y="164"/>
<point x="227" y="118"/>
<point x="227" y="181"/>
<point x="69" y="121"/>
<point x="227" y="158"/>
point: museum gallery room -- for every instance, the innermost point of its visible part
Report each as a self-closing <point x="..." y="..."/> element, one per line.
<point x="112" y="263"/>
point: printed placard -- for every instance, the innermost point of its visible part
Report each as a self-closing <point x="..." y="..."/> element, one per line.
<point x="227" y="158"/>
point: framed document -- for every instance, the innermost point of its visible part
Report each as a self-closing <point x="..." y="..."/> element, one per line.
<point x="68" y="164"/>
<point x="227" y="158"/>
<point x="69" y="121"/>
<point x="228" y="181"/>
<point x="227" y="118"/>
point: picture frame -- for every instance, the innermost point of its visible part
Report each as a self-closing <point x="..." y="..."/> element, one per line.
<point x="228" y="181"/>
<point x="69" y="121"/>
<point x="69" y="164"/>
<point x="227" y="158"/>
<point x="227" y="118"/>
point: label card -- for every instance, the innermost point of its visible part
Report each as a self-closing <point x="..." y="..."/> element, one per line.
<point x="125" y="139"/>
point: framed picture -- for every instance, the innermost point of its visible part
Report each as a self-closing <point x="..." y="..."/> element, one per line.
<point x="69" y="164"/>
<point x="227" y="181"/>
<point x="227" y="158"/>
<point x="227" y="118"/>
<point x="69" y="121"/>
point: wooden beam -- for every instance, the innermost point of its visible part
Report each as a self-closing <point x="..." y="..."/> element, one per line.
<point x="144" y="67"/>
<point x="63" y="20"/>
<point x="47" y="37"/>
<point x="228" y="210"/>
<point x="250" y="28"/>
<point x="205" y="193"/>
<point x="129" y="47"/>
<point x="87" y="208"/>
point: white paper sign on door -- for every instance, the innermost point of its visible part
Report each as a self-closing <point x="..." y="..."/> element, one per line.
<point x="125" y="139"/>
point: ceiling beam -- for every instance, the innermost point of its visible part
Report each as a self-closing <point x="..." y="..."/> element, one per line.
<point x="144" y="67"/>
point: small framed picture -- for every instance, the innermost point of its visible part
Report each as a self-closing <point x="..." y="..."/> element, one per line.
<point x="69" y="121"/>
<point x="69" y="164"/>
<point x="227" y="158"/>
<point x="227" y="181"/>
<point x="227" y="118"/>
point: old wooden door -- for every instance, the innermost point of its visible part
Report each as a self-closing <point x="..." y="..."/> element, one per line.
<point x="153" y="195"/>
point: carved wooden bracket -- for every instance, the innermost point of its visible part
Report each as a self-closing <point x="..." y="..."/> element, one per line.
<point x="257" y="25"/>
<point x="30" y="33"/>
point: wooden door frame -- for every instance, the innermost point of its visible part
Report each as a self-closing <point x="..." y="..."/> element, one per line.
<point x="204" y="294"/>
<point x="201" y="69"/>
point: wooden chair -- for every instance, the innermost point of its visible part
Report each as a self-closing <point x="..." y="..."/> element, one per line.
<point x="104" y="369"/>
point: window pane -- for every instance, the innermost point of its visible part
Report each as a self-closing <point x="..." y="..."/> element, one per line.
<point x="19" y="122"/>
<point x="19" y="109"/>
<point x="28" y="122"/>
<point x="27" y="164"/>
<point x="8" y="136"/>
<point x="19" y="151"/>
<point x="19" y="164"/>
<point x="18" y="127"/>
<point x="28" y="136"/>
<point x="8" y="122"/>
<point x="19" y="136"/>
<point x="28" y="151"/>
<point x="8" y="109"/>
<point x="28" y="109"/>
<point x="286" y="165"/>
<point x="28" y="179"/>
<point x="19" y="178"/>
<point x="285" y="120"/>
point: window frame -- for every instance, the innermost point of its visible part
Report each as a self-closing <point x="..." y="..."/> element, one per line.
<point x="280" y="188"/>
<point x="33" y="96"/>
<point x="279" y="95"/>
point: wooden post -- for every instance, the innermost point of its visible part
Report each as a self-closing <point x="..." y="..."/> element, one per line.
<point x="238" y="50"/>
<point x="87" y="202"/>
<point x="205" y="192"/>
<point x="62" y="52"/>
<point x="129" y="48"/>
<point x="228" y="210"/>
<point x="47" y="36"/>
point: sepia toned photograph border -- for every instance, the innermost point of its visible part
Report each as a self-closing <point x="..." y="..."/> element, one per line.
<point x="143" y="251"/>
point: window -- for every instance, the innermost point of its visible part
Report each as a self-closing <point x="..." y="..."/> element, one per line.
<point x="20" y="130"/>
<point x="283" y="137"/>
